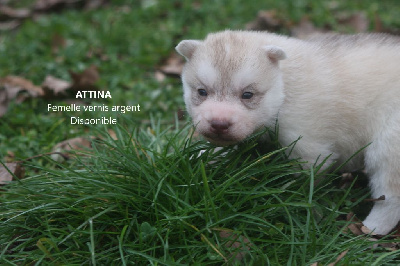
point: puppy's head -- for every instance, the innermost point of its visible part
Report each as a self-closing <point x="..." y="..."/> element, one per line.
<point x="232" y="84"/>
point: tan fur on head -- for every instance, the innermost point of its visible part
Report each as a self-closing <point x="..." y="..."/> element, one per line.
<point x="338" y="92"/>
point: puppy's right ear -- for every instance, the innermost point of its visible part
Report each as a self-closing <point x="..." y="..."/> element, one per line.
<point x="275" y="53"/>
<point x="187" y="47"/>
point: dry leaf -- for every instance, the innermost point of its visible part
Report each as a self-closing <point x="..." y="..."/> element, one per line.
<point x="159" y="76"/>
<point x="11" y="18"/>
<point x="10" y="25"/>
<point x="378" y="23"/>
<point x="366" y="230"/>
<point x="13" y="13"/>
<point x="48" y="5"/>
<point x="339" y="258"/>
<point x="356" y="229"/>
<point x="173" y="65"/>
<point x="94" y="4"/>
<point x="85" y="80"/>
<point x="69" y="147"/>
<point x="3" y="101"/>
<point x="391" y="246"/>
<point x="15" y="84"/>
<point x="305" y="29"/>
<point x="380" y="27"/>
<point x="11" y="87"/>
<point x="15" y="168"/>
<point x="266" y="20"/>
<point x="112" y="134"/>
<point x="181" y="114"/>
<point x="358" y="21"/>
<point x="54" y="87"/>
<point x="238" y="245"/>
<point x="355" y="226"/>
<point x="10" y="157"/>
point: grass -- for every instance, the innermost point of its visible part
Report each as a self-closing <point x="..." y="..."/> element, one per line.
<point x="136" y="39"/>
<point x="149" y="197"/>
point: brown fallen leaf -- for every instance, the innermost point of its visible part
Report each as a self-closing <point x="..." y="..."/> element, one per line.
<point x="341" y="256"/>
<point x="69" y="147"/>
<point x="16" y="169"/>
<point x="85" y="80"/>
<point x="159" y="76"/>
<point x="238" y="245"/>
<point x="357" y="22"/>
<point x="16" y="84"/>
<point x="365" y="230"/>
<point x="380" y="27"/>
<point x="355" y="229"/>
<point x="3" y="101"/>
<point x="12" y="87"/>
<point x="112" y="134"/>
<point x="173" y="65"/>
<point x="355" y="226"/>
<point x="49" y="5"/>
<point x="7" y="12"/>
<point x="305" y="29"/>
<point x="391" y="246"/>
<point x="181" y="114"/>
<point x="266" y="20"/>
<point x="94" y="4"/>
<point x="54" y="87"/>
<point x="10" y="25"/>
<point x="10" y="157"/>
<point x="378" y="24"/>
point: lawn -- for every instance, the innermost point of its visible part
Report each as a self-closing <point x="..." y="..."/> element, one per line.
<point x="143" y="192"/>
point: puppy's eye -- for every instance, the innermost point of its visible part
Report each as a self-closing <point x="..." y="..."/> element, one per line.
<point x="247" y="95"/>
<point x="202" y="92"/>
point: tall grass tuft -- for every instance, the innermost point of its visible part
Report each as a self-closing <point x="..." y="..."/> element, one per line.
<point x="158" y="197"/>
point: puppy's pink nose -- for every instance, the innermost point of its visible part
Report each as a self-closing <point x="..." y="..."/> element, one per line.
<point x="220" y="126"/>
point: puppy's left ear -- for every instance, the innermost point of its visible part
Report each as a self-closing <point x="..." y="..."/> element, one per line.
<point x="274" y="53"/>
<point x="187" y="47"/>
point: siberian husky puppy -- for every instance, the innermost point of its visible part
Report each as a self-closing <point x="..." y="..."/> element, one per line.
<point x="338" y="93"/>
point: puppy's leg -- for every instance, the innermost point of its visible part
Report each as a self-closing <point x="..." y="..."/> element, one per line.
<point x="384" y="215"/>
<point x="382" y="160"/>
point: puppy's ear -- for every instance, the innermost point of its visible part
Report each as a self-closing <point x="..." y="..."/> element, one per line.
<point x="187" y="47"/>
<point x="274" y="53"/>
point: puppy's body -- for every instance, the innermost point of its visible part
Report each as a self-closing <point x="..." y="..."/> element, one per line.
<point x="339" y="93"/>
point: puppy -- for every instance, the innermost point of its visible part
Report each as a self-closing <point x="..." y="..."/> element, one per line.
<point x="339" y="93"/>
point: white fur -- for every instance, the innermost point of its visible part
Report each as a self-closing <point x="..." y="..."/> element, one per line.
<point x="339" y="93"/>
<point x="207" y="73"/>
